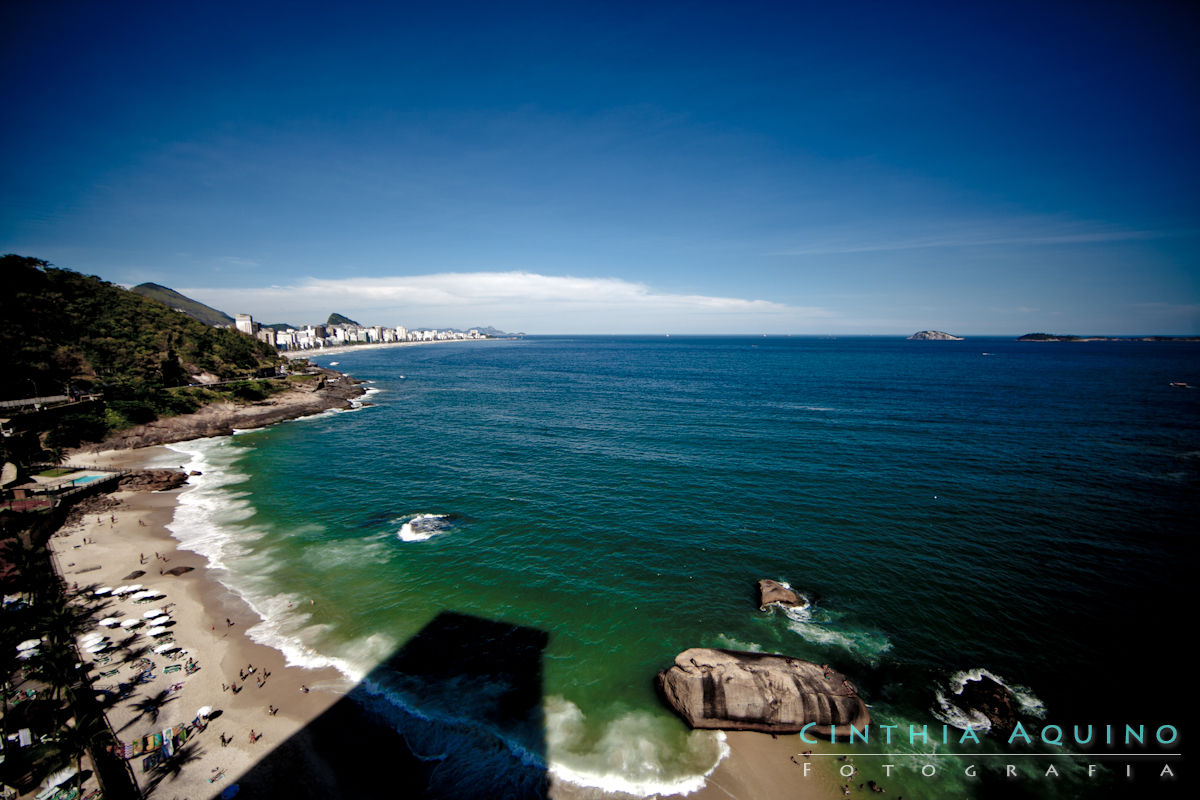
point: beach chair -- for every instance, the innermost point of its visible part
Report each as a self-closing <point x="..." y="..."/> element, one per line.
<point x="172" y="668"/>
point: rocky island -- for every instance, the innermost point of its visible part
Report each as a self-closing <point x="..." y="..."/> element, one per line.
<point x="731" y="690"/>
<point x="935" y="336"/>
<point x="1066" y="337"/>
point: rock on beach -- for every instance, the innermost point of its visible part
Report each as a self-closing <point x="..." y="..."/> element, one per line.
<point x="731" y="690"/>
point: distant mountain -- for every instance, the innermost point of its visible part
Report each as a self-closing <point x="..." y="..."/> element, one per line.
<point x="338" y="319"/>
<point x="193" y="308"/>
<point x="282" y="326"/>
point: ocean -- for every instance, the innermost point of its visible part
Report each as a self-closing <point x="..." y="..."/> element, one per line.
<point x="565" y="515"/>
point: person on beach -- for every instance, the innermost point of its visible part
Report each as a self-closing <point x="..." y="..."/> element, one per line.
<point x="303" y="688"/>
<point x="272" y="710"/>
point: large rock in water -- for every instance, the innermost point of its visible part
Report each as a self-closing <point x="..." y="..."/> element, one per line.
<point x="992" y="699"/>
<point x="935" y="336"/>
<point x="770" y="591"/>
<point x="731" y="690"/>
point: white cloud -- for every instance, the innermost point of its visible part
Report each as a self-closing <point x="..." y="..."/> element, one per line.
<point x="513" y="300"/>
<point x="1020" y="231"/>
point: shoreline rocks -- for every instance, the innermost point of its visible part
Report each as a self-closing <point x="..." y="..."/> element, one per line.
<point x="334" y="390"/>
<point x="152" y="480"/>
<point x="731" y="690"/>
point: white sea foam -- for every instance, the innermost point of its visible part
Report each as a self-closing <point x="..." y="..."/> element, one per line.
<point x="423" y="527"/>
<point x="632" y="756"/>
<point x="951" y="713"/>
<point x="729" y="643"/>
<point x="210" y="520"/>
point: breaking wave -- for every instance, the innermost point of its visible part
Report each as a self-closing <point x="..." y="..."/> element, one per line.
<point x="950" y="712"/>
<point x="424" y="527"/>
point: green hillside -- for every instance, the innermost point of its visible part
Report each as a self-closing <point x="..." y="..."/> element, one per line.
<point x="338" y="319"/>
<point x="193" y="308"/>
<point x="67" y="333"/>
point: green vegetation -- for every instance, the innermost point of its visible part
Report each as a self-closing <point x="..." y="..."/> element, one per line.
<point x="193" y="308"/>
<point x="67" y="333"/>
<point x="338" y="319"/>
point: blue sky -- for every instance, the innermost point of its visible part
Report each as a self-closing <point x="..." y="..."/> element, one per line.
<point x="569" y="168"/>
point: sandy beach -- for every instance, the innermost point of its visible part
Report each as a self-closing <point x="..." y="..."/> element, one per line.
<point x="306" y="742"/>
<point x="104" y="550"/>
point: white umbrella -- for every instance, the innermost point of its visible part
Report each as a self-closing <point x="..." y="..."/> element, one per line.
<point x="102" y="590"/>
<point x="156" y="631"/>
<point x="154" y="612"/>
<point x="29" y="644"/>
<point x="108" y="622"/>
<point x="166" y="648"/>
<point x="91" y="638"/>
<point x="204" y="711"/>
<point x="140" y="595"/>
<point x="129" y="623"/>
<point x="98" y="646"/>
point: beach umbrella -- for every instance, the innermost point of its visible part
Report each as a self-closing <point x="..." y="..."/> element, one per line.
<point x="91" y="638"/>
<point x="140" y="595"/>
<point x="154" y="612"/>
<point x="97" y="647"/>
<point x="166" y="648"/>
<point x="108" y="622"/>
<point x="156" y="631"/>
<point x="29" y="644"/>
<point x="102" y="590"/>
<point x="204" y="711"/>
<point x="130" y="623"/>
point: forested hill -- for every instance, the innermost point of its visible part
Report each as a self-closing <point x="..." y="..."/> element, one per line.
<point x="179" y="302"/>
<point x="62" y="330"/>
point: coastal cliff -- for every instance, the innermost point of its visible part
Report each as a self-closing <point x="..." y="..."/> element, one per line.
<point x="332" y="390"/>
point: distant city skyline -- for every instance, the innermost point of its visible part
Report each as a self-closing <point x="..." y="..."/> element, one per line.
<point x="619" y="168"/>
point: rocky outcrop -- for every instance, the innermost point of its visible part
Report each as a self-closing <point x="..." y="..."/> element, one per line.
<point x="732" y="690"/>
<point x="333" y="390"/>
<point x="152" y="480"/>
<point x="935" y="336"/>
<point x="992" y="699"/>
<point x="770" y="591"/>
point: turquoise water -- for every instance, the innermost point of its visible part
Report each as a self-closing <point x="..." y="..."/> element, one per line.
<point x="948" y="506"/>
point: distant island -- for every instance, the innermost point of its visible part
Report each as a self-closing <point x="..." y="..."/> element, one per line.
<point x="935" y="336"/>
<point x="1058" y="337"/>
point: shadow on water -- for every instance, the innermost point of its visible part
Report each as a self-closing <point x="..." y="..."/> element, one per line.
<point x="455" y="713"/>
